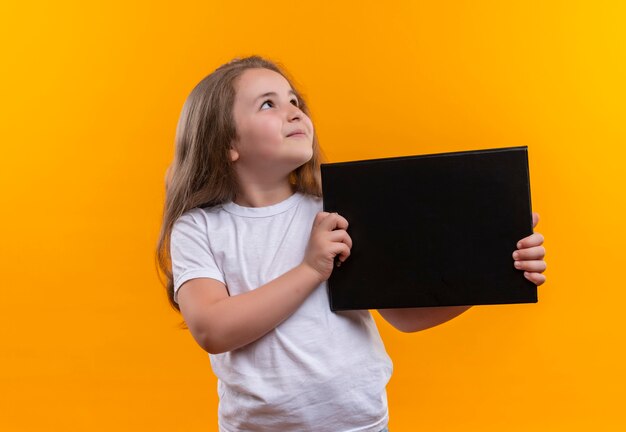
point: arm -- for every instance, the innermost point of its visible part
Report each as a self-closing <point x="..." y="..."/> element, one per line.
<point x="220" y="323"/>
<point x="415" y="319"/>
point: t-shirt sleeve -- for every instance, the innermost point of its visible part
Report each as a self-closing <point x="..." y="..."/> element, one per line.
<point x="190" y="251"/>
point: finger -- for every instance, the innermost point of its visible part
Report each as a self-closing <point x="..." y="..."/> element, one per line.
<point x="535" y="239"/>
<point x="533" y="253"/>
<point x="319" y="217"/>
<point x="536" y="278"/>
<point x="333" y="221"/>
<point x="535" y="219"/>
<point x="531" y="266"/>
<point x="341" y="236"/>
<point x="342" y="222"/>
<point x="341" y="251"/>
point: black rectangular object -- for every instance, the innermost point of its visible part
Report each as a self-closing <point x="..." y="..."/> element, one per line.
<point x="431" y="230"/>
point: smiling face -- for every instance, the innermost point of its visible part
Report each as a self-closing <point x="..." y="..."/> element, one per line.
<point x="266" y="116"/>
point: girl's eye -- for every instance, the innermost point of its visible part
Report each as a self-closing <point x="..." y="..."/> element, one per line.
<point x="269" y="101"/>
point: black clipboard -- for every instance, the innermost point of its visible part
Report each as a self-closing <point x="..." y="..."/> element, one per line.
<point x="431" y="230"/>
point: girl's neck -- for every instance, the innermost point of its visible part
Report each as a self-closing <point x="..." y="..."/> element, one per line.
<point x="260" y="195"/>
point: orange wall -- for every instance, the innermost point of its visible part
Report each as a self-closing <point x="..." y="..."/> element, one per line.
<point x="90" y="98"/>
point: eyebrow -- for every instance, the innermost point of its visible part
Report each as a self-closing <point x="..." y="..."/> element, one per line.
<point x="275" y="94"/>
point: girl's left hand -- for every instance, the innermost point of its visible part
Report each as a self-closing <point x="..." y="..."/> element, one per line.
<point x="529" y="256"/>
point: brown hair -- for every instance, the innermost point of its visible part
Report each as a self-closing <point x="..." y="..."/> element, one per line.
<point x="202" y="174"/>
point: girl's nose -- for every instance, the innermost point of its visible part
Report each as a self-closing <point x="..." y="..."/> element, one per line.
<point x="294" y="113"/>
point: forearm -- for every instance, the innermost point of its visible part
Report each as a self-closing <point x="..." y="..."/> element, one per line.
<point x="237" y="320"/>
<point x="416" y="319"/>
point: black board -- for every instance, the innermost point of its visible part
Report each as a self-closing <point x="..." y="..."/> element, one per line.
<point x="431" y="230"/>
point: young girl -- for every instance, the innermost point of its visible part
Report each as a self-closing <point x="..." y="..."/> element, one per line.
<point x="247" y="250"/>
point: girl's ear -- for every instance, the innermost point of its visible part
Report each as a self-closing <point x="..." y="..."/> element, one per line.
<point x="234" y="154"/>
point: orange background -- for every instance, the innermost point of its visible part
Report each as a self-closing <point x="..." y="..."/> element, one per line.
<point x="91" y="93"/>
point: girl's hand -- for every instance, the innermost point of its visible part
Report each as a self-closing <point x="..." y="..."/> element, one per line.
<point x="530" y="254"/>
<point x="329" y="239"/>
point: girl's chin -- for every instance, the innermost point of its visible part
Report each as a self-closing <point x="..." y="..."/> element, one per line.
<point x="305" y="159"/>
<point x="302" y="156"/>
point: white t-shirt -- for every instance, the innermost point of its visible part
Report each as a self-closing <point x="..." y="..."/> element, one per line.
<point x="318" y="370"/>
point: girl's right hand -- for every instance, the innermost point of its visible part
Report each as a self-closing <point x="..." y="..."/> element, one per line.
<point x="329" y="239"/>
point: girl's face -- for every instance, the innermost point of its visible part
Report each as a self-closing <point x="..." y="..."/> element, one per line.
<point x="274" y="135"/>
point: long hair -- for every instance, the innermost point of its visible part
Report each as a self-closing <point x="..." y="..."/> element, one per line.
<point x="202" y="174"/>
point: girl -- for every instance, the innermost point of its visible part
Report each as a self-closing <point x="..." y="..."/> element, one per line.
<point x="247" y="251"/>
